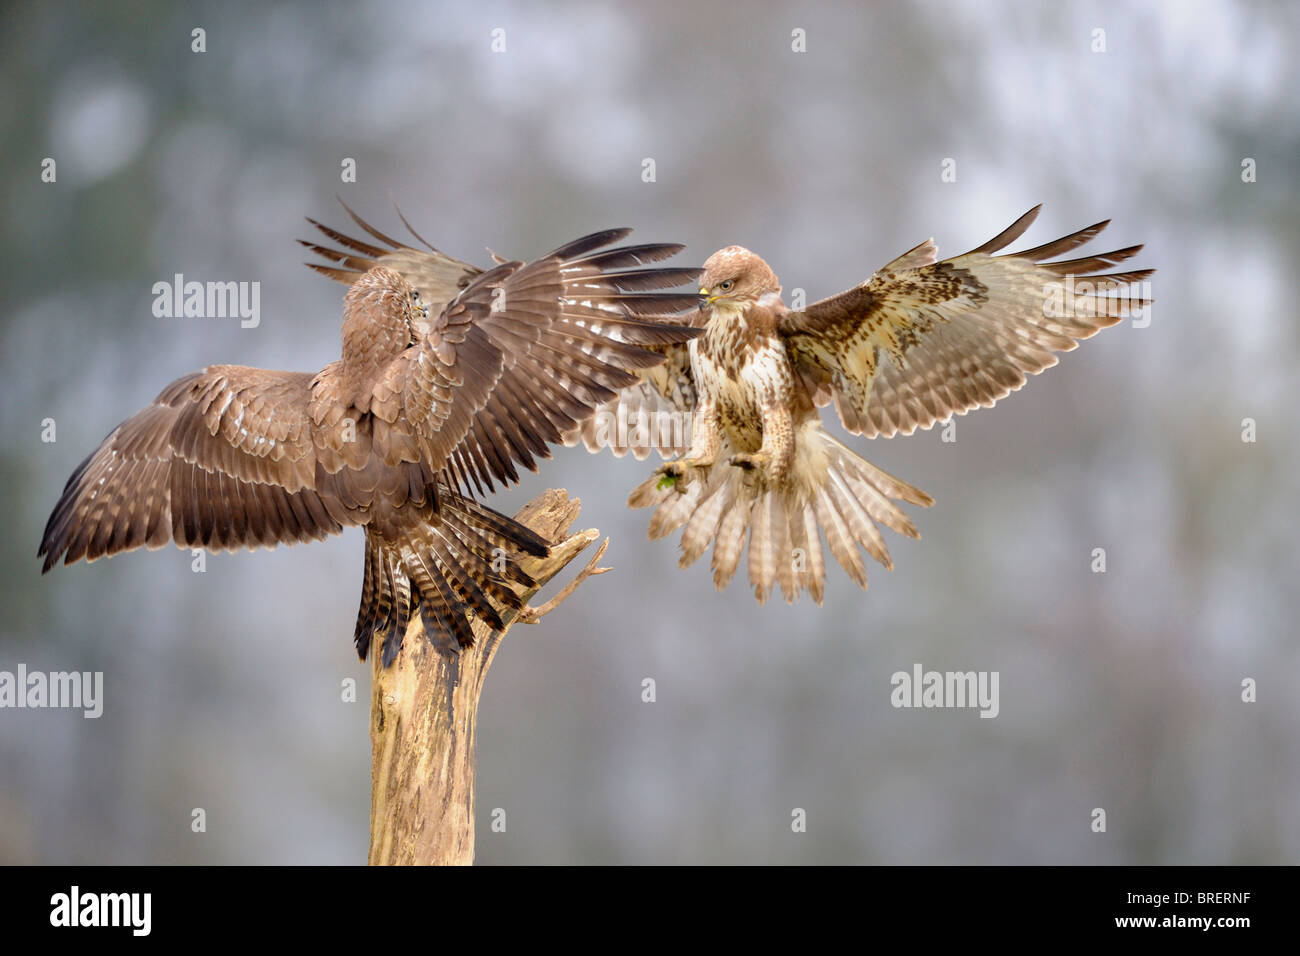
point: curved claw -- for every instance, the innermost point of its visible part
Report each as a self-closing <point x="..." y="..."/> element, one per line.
<point x="680" y="473"/>
<point x="754" y="462"/>
<point x="679" y="467"/>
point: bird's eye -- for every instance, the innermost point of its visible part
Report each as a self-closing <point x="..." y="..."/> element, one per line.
<point x="726" y="285"/>
<point x="415" y="295"/>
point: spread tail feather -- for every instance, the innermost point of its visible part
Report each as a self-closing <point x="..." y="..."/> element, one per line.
<point x="450" y="565"/>
<point x="833" y="494"/>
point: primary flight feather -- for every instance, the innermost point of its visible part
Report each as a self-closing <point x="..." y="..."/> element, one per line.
<point x="919" y="341"/>
<point x="450" y="379"/>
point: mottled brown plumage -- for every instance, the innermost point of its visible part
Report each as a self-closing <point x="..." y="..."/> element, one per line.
<point x="422" y="410"/>
<point x="915" y="344"/>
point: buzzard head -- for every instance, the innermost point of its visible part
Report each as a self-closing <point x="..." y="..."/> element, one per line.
<point x="381" y="312"/>
<point x="735" y="278"/>
<point x="382" y="296"/>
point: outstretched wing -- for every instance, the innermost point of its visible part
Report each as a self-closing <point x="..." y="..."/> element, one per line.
<point x="654" y="414"/>
<point x="654" y="411"/>
<point x="526" y="354"/>
<point x="234" y="457"/>
<point x="222" y="459"/>
<point x="922" y="340"/>
<point x="438" y="276"/>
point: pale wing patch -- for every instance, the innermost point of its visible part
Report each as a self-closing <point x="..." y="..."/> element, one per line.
<point x="912" y="347"/>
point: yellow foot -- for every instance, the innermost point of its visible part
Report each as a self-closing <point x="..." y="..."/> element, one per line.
<point x="680" y="467"/>
<point x="681" y="473"/>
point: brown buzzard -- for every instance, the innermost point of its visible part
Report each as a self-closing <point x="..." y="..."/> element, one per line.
<point x="916" y="343"/>
<point x="450" y="377"/>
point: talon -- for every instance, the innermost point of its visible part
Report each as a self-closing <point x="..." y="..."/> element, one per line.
<point x="749" y="462"/>
<point x="679" y="467"/>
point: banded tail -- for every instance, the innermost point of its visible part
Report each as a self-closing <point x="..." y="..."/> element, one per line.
<point x="450" y="565"/>
<point x="832" y="494"/>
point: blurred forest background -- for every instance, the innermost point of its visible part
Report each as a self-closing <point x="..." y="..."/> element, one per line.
<point x="1119" y="690"/>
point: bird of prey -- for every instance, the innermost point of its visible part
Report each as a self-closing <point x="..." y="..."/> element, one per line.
<point x="450" y="377"/>
<point x="916" y="343"/>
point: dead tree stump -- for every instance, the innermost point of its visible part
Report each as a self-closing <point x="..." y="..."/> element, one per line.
<point x="424" y="708"/>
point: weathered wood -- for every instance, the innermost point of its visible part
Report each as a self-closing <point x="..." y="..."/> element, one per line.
<point x="423" y="714"/>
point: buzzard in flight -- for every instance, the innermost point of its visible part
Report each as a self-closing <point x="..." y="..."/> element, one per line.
<point x="450" y="377"/>
<point x="916" y="343"/>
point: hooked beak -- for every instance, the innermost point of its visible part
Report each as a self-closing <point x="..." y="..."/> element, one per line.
<point x="708" y="299"/>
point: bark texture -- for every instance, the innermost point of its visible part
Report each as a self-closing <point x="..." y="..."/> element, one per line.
<point x="424" y="709"/>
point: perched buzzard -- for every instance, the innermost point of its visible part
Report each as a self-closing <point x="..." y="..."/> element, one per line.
<point x="450" y="376"/>
<point x="916" y="343"/>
